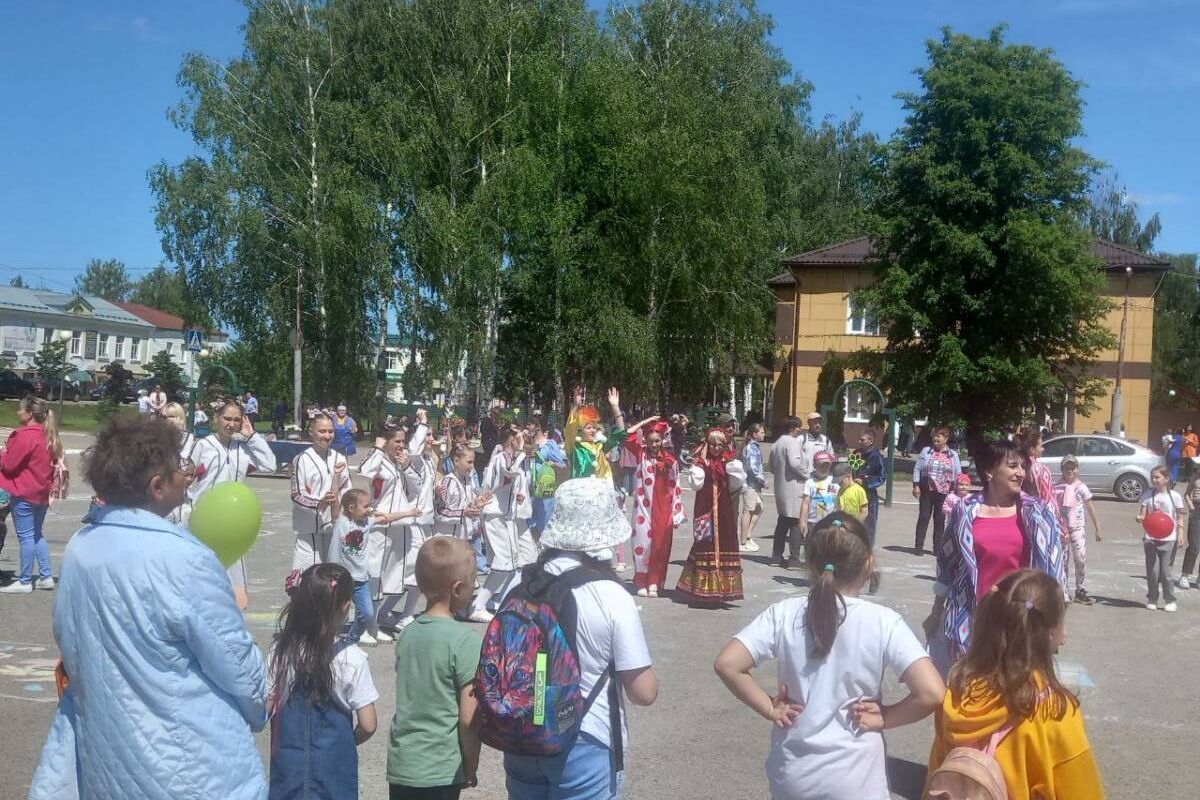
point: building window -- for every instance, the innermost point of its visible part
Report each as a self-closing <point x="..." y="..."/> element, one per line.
<point x="858" y="321"/>
<point x="119" y="353"/>
<point x="393" y="362"/>
<point x="135" y="349"/>
<point x="102" y="349"/>
<point x="860" y="403"/>
<point x="170" y="348"/>
<point x="47" y="335"/>
<point x="89" y="345"/>
<point x="76" y="343"/>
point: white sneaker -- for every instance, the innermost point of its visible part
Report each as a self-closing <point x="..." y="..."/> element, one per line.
<point x="620" y="566"/>
<point x="482" y="615"/>
<point x="1184" y="583"/>
<point x="752" y="546"/>
<point x="1151" y="606"/>
<point x="652" y="591"/>
<point x="404" y="623"/>
<point x="367" y="640"/>
<point x="16" y="587"/>
<point x="48" y="584"/>
<point x="642" y="593"/>
<point x="1170" y="607"/>
<point x="384" y="636"/>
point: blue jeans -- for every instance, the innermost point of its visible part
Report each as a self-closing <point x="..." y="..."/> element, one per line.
<point x="481" y="563"/>
<point x="585" y="772"/>
<point x="28" y="519"/>
<point x="364" y="611"/>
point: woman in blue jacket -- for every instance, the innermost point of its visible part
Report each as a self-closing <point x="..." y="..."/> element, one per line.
<point x="166" y="685"/>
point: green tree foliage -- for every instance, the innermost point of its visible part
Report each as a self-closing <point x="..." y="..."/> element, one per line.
<point x="18" y="283"/>
<point x="540" y="195"/>
<point x="165" y="371"/>
<point x="118" y="387"/>
<point x="832" y="376"/>
<point x="51" y="360"/>
<point x="105" y="278"/>
<point x="163" y="289"/>
<point x="1177" y="336"/>
<point x="1113" y="215"/>
<point x="990" y="300"/>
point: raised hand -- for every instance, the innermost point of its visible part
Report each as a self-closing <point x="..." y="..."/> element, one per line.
<point x="578" y="396"/>
<point x="614" y="397"/>
<point x="247" y="427"/>
<point x="402" y="459"/>
<point x="422" y="416"/>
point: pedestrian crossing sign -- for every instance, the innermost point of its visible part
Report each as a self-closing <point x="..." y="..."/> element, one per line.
<point x="194" y="338"/>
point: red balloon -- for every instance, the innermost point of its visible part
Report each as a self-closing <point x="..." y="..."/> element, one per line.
<point x="1158" y="525"/>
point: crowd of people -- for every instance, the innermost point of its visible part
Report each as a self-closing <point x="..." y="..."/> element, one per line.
<point x="531" y="542"/>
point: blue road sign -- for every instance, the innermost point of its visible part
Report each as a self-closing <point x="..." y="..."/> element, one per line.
<point x="195" y="339"/>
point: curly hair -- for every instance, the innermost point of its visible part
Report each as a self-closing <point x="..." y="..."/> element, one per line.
<point x="128" y="452"/>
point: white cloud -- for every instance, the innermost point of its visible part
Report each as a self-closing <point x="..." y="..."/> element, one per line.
<point x="1158" y="198"/>
<point x="142" y="29"/>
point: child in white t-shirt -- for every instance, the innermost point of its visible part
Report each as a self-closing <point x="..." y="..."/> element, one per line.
<point x="1161" y="497"/>
<point x="830" y="649"/>
<point x="320" y="696"/>
<point x="820" y="492"/>
<point x="1075" y="503"/>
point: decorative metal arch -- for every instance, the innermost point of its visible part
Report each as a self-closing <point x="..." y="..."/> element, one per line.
<point x="888" y="413"/>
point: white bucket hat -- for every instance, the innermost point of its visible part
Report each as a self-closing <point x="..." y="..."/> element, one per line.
<point x="586" y="518"/>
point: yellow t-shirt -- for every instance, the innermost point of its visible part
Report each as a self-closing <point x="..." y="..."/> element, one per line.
<point x="852" y="500"/>
<point x="1042" y="757"/>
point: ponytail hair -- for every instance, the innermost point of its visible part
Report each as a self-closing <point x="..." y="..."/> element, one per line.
<point x="838" y="548"/>
<point x="307" y="632"/>
<point x="53" y="440"/>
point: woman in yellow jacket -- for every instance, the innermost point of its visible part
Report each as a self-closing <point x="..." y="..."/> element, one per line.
<point x="1007" y="680"/>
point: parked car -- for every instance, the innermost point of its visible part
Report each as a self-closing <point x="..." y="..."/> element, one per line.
<point x="13" y="385"/>
<point x="1106" y="463"/>
<point x="176" y="394"/>
<point x="70" y="389"/>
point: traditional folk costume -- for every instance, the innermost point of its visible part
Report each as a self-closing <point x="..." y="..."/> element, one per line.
<point x="510" y="543"/>
<point x="587" y="459"/>
<point x="451" y="496"/>
<point x="657" y="510"/>
<point x="181" y="514"/>
<point x="713" y="572"/>
<point x="312" y="479"/>
<point x="392" y="548"/>
<point x="216" y="463"/>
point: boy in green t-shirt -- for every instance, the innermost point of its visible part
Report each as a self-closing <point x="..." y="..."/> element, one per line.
<point x="851" y="498"/>
<point x="433" y="750"/>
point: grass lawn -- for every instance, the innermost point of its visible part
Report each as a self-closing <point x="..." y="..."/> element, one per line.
<point x="76" y="416"/>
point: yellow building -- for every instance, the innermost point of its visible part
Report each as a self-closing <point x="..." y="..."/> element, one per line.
<point x="816" y="313"/>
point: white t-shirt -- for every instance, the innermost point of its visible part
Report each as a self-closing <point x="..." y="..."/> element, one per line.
<point x="822" y="497"/>
<point x="143" y="404"/>
<point x="1168" y="503"/>
<point x="1072" y="499"/>
<point x="608" y="629"/>
<point x="353" y="687"/>
<point x="348" y="546"/>
<point x="819" y="757"/>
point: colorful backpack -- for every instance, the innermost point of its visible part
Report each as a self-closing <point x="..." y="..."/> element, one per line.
<point x="544" y="480"/>
<point x="528" y="682"/>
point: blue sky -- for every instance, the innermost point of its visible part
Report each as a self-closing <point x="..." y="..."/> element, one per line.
<point x="87" y="86"/>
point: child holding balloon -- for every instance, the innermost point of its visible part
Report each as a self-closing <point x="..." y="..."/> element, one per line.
<point x="1161" y="536"/>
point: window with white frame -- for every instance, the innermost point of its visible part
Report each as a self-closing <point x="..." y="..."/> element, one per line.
<point x="858" y="321"/>
<point x="102" y="347"/>
<point x="135" y="349"/>
<point x="76" y="343"/>
<point x="119" y="352"/>
<point x="860" y="403"/>
<point x="393" y="361"/>
<point x="170" y="348"/>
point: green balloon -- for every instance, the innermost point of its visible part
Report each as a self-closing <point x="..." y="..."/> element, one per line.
<point x="226" y="518"/>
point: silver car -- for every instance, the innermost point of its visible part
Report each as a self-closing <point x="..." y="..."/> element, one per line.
<point x="1106" y="463"/>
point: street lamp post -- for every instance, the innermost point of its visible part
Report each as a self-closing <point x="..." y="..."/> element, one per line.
<point x="1114" y="425"/>
<point x="64" y="337"/>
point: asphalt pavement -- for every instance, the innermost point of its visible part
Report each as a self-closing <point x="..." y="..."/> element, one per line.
<point x="1135" y="670"/>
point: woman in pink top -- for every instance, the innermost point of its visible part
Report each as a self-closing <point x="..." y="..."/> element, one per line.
<point x="989" y="535"/>
<point x="27" y="474"/>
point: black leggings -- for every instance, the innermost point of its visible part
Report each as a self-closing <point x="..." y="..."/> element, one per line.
<point x="930" y="505"/>
<point x="397" y="792"/>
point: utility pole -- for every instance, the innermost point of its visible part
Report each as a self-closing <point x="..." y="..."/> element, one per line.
<point x="1114" y="422"/>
